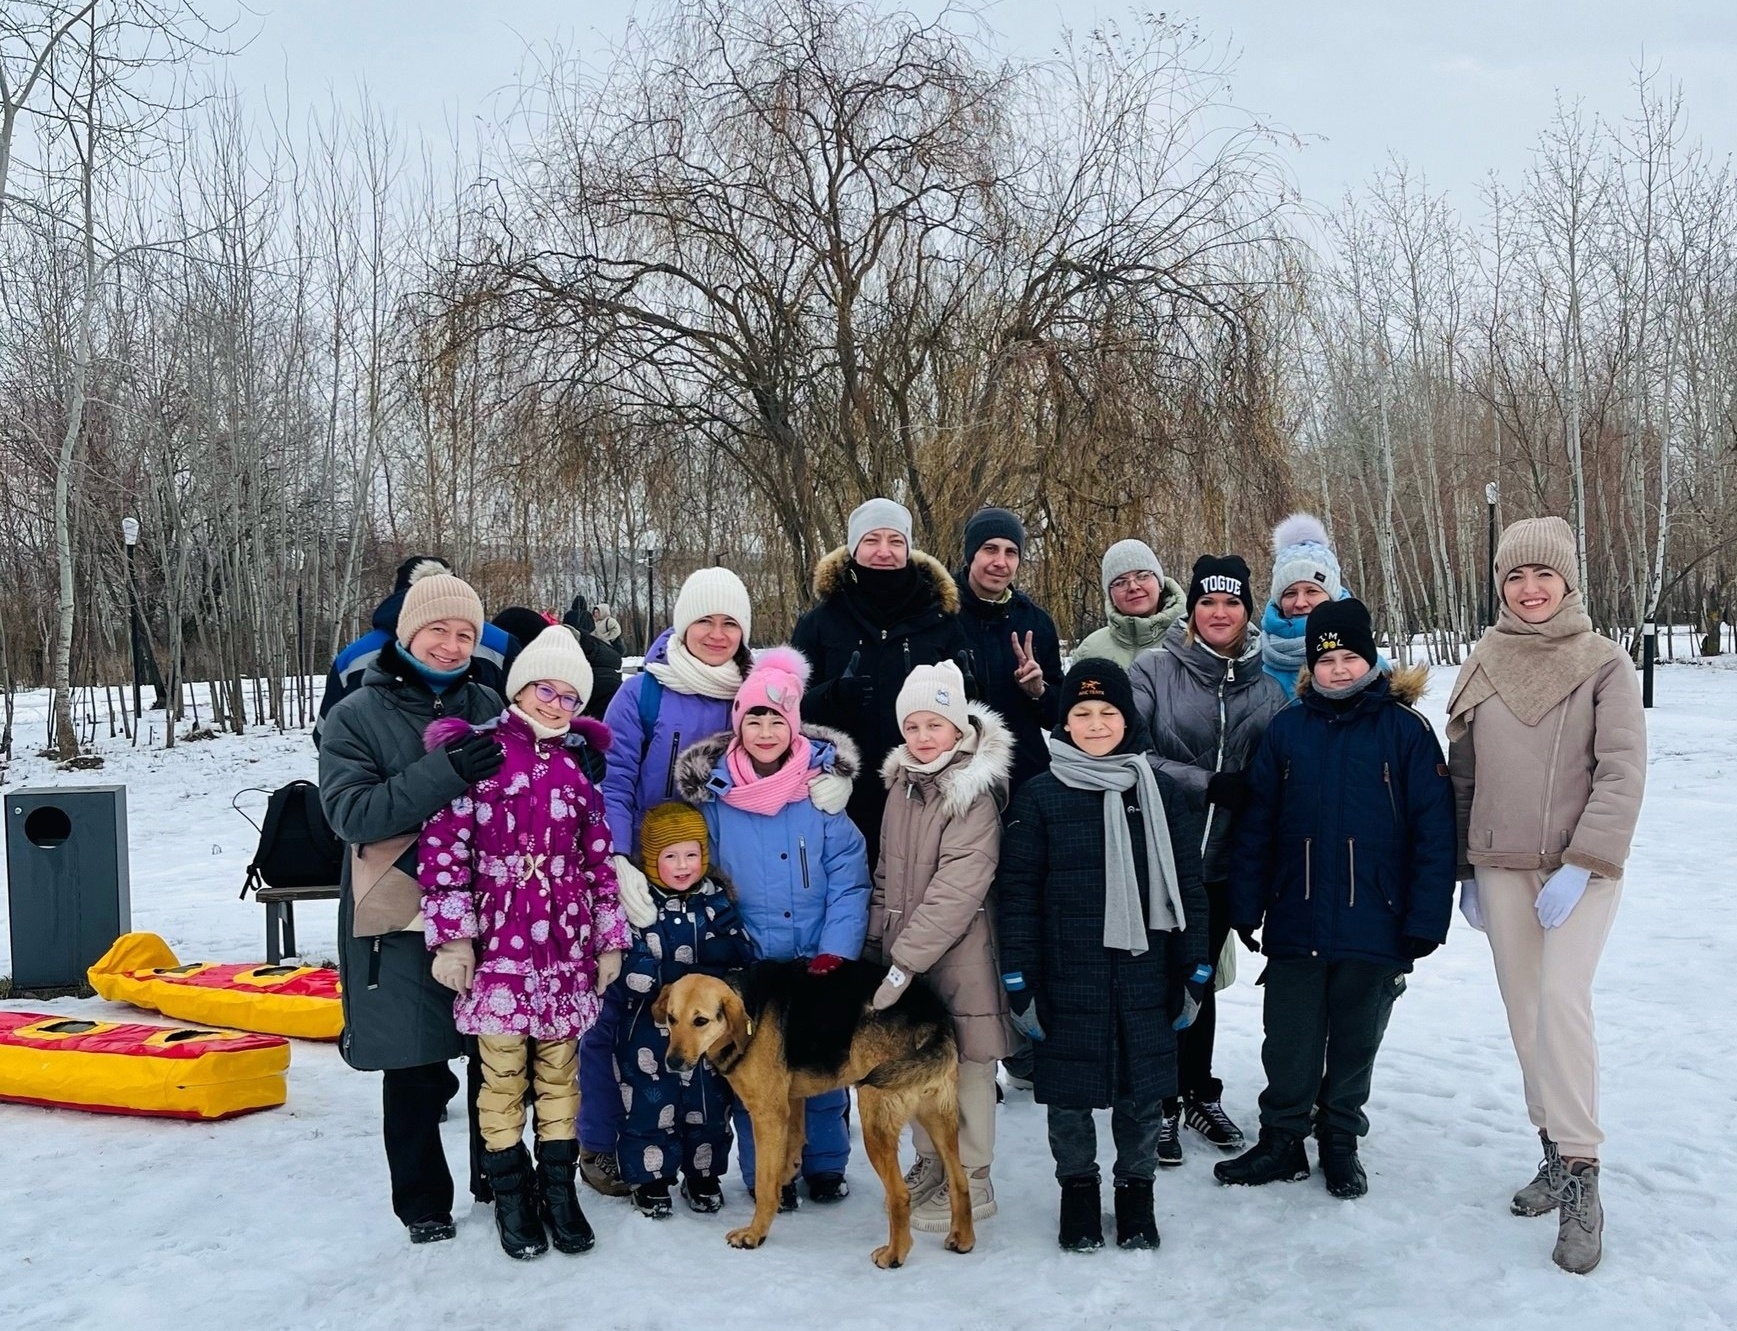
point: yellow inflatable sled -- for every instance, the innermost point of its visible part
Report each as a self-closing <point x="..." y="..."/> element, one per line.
<point x="155" y="1071"/>
<point x="298" y="1001"/>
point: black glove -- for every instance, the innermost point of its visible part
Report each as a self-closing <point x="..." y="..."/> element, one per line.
<point x="1194" y="991"/>
<point x="476" y="757"/>
<point x="963" y="661"/>
<point x="1228" y="790"/>
<point x="1416" y="948"/>
<point x="1022" y="1004"/>
<point x="854" y="689"/>
<point x="1250" y="939"/>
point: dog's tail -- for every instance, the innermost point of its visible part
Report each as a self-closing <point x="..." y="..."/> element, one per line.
<point x="935" y="1052"/>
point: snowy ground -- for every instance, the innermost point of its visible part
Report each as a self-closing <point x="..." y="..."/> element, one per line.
<point x="280" y="1219"/>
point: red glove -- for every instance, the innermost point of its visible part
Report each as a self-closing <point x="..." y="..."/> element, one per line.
<point x="825" y="964"/>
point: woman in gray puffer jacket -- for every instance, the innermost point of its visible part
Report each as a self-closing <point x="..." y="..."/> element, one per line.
<point x="1204" y="704"/>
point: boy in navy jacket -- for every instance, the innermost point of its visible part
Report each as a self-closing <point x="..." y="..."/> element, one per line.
<point x="1344" y="861"/>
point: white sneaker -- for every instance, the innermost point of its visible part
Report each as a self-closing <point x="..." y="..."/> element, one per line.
<point x="935" y="1215"/>
<point x="924" y="1179"/>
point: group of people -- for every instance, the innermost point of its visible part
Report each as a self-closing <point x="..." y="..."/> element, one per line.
<point x="1069" y="859"/>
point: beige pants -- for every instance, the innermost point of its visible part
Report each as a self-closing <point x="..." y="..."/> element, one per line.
<point x="508" y="1068"/>
<point x="976" y="1119"/>
<point x="1546" y="981"/>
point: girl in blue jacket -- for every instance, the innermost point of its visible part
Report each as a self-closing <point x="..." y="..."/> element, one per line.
<point x="801" y="874"/>
<point x="1344" y="861"/>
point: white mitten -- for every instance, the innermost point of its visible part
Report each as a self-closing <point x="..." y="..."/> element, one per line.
<point x="829" y="792"/>
<point x="455" y="964"/>
<point x="635" y="892"/>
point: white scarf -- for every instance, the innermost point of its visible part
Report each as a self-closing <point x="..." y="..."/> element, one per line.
<point x="686" y="673"/>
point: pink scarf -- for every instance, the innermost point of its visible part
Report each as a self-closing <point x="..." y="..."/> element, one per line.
<point x="767" y="794"/>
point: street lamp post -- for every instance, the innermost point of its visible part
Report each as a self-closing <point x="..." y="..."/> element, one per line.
<point x="130" y="538"/>
<point x="650" y="553"/>
<point x="1491" y="592"/>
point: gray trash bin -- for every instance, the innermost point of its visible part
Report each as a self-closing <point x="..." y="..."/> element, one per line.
<point x="66" y="867"/>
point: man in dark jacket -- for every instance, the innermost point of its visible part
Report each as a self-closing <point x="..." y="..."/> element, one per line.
<point x="1344" y="860"/>
<point x="1015" y="651"/>
<point x="884" y="608"/>
<point x="351" y="666"/>
<point x="605" y="657"/>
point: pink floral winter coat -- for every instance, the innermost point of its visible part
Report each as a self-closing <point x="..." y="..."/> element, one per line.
<point x="520" y="862"/>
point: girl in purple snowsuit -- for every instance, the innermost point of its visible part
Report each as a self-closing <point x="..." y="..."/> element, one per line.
<point x="520" y="907"/>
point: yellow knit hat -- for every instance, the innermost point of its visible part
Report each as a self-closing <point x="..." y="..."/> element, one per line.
<point x="666" y="825"/>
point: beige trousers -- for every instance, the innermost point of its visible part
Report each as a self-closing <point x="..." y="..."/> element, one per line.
<point x="508" y="1068"/>
<point x="1546" y="981"/>
<point x="976" y="1119"/>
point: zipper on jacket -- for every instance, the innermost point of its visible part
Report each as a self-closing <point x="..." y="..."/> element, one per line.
<point x="1550" y="783"/>
<point x="675" y="748"/>
<point x="1351" y="845"/>
<point x="802" y="854"/>
<point x="1218" y="763"/>
<point x="1308" y="867"/>
<point x="907" y="658"/>
<point x="1387" y="780"/>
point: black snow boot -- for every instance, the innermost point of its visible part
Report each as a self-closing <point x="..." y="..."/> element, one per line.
<point x="1278" y="1157"/>
<point x="509" y="1174"/>
<point x="827" y="1188"/>
<point x="1340" y="1165"/>
<point x="558" y="1199"/>
<point x="704" y="1195"/>
<point x="652" y="1199"/>
<point x="1135" y="1225"/>
<point x="1082" y="1218"/>
<point x="437" y="1230"/>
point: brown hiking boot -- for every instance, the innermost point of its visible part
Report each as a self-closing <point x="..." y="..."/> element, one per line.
<point x="1540" y="1196"/>
<point x="1580" y="1228"/>
<point x="602" y="1173"/>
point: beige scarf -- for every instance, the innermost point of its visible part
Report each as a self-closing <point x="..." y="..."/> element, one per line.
<point x="1532" y="667"/>
<point x="686" y="673"/>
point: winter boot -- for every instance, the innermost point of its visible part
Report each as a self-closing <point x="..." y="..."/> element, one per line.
<point x="1543" y="1194"/>
<point x="934" y="1215"/>
<point x="521" y="1231"/>
<point x="602" y="1173"/>
<point x="1135" y="1225"/>
<point x="1207" y="1117"/>
<point x="827" y="1188"/>
<point x="788" y="1198"/>
<point x="1340" y="1165"/>
<point x="652" y="1199"/>
<point x="704" y="1195"/>
<point x="1082" y="1219"/>
<point x="432" y="1231"/>
<point x="1580" y="1227"/>
<point x="1278" y="1157"/>
<point x="1170" y="1136"/>
<point x="557" y="1201"/>
<point x="924" y="1179"/>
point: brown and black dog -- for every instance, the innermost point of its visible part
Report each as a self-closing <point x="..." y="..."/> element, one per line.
<point x="785" y="1035"/>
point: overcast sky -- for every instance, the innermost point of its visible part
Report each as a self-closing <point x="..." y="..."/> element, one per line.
<point x="1456" y="88"/>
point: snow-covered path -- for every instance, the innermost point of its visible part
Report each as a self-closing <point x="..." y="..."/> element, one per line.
<point x="280" y="1219"/>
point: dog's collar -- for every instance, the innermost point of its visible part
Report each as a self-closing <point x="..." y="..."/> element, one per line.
<point x="724" y="1059"/>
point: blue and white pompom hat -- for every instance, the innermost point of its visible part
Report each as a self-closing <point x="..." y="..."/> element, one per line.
<point x="1301" y="554"/>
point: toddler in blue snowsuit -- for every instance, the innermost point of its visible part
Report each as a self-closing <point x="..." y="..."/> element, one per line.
<point x="674" y="1119"/>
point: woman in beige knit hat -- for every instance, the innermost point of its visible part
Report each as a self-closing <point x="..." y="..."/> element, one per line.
<point x="1548" y="757"/>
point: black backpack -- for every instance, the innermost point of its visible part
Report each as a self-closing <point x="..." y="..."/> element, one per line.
<point x="297" y="847"/>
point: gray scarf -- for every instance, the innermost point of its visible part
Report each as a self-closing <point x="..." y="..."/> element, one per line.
<point x="1114" y="774"/>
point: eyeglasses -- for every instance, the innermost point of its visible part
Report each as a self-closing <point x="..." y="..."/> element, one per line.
<point x="1130" y="580"/>
<point x="548" y="693"/>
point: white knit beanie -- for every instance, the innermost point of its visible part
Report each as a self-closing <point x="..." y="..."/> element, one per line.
<point x="1301" y="554"/>
<point x="1128" y="556"/>
<point x="711" y="591"/>
<point x="875" y="514"/>
<point x="554" y="654"/>
<point x="434" y="595"/>
<point x="935" y="688"/>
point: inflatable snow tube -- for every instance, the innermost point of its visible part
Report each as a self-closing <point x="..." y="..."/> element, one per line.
<point x="298" y="1001"/>
<point x="155" y="1071"/>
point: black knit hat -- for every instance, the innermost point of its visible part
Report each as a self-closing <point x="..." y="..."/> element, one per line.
<point x="1227" y="575"/>
<point x="1340" y="626"/>
<point x="1096" y="679"/>
<point x="401" y="579"/>
<point x="987" y="524"/>
<point x="519" y="623"/>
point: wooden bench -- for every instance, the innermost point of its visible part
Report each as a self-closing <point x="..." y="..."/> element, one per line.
<point x="280" y="916"/>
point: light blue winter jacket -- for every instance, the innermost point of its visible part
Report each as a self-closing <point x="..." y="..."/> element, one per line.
<point x="802" y="876"/>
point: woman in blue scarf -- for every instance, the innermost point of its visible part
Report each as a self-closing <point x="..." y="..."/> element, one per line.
<point x="1305" y="573"/>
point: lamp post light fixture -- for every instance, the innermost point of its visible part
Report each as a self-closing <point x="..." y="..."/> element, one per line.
<point x="1492" y="493"/>
<point x="129" y="539"/>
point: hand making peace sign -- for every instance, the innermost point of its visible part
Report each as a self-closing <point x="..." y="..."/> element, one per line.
<point x="1027" y="673"/>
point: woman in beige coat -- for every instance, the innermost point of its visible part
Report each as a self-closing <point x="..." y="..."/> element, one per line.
<point x="930" y="914"/>
<point x="1548" y="758"/>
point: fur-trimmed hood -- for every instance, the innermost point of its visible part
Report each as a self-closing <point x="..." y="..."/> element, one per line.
<point x="962" y="782"/>
<point x="694" y="768"/>
<point x="830" y="571"/>
<point x="445" y="729"/>
<point x="1405" y="683"/>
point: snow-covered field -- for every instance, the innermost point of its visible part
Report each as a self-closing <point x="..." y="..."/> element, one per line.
<point x="281" y="1219"/>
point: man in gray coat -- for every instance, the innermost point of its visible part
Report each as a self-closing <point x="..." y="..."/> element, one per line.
<point x="378" y="784"/>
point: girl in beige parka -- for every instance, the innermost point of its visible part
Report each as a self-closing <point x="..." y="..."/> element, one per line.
<point x="930" y="914"/>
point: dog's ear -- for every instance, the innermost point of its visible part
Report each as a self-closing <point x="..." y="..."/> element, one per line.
<point x="660" y="1006"/>
<point x="735" y="1018"/>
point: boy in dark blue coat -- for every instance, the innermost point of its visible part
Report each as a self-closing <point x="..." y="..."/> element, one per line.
<point x="674" y="1119"/>
<point x="1344" y="860"/>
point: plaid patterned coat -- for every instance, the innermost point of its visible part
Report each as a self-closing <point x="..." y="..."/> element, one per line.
<point x="1106" y="1013"/>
